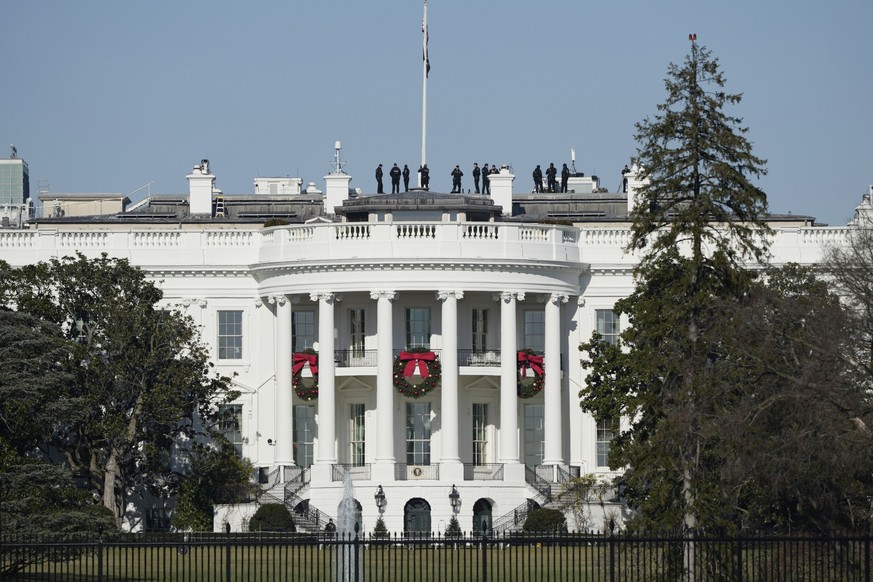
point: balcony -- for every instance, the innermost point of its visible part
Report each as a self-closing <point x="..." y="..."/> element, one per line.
<point x="485" y="472"/>
<point x="405" y="472"/>
<point x="358" y="472"/>
<point x="479" y="358"/>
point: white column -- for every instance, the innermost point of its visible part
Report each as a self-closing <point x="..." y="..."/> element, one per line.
<point x="326" y="379"/>
<point x="508" y="378"/>
<point x="449" y="422"/>
<point x="384" y="375"/>
<point x="553" y="453"/>
<point x="284" y="455"/>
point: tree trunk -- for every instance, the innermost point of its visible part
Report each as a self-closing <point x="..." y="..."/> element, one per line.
<point x="110" y="476"/>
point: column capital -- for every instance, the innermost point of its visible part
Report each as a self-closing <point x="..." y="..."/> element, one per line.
<point x="443" y="295"/>
<point x="383" y="294"/>
<point x="580" y="301"/>
<point x="325" y="296"/>
<point x="558" y="298"/>
<point x="506" y="296"/>
<point x="277" y="299"/>
<point x="189" y="301"/>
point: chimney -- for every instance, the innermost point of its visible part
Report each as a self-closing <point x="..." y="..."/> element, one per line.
<point x="336" y="184"/>
<point x="634" y="183"/>
<point x="200" y="187"/>
<point x="501" y="189"/>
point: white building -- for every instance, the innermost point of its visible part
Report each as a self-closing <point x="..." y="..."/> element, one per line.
<point x="360" y="279"/>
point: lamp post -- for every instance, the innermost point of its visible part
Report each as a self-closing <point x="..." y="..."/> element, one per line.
<point x="455" y="499"/>
<point x="381" y="502"/>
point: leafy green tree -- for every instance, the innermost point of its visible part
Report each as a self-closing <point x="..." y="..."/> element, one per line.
<point x="698" y="215"/>
<point x="217" y="476"/>
<point x="140" y="377"/>
<point x="545" y="520"/>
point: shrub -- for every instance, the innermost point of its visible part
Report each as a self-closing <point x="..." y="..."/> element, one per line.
<point x="380" y="531"/>
<point x="276" y="222"/>
<point x="454" y="528"/>
<point x="545" y="520"/>
<point x="272" y="517"/>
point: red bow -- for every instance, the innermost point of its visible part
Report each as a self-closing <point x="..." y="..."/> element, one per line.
<point x="301" y="359"/>
<point x="535" y="362"/>
<point x="419" y="359"/>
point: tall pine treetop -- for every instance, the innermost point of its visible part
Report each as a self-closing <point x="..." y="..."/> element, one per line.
<point x="697" y="167"/>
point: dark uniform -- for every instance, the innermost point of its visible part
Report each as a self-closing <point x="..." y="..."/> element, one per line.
<point x="395" y="179"/>
<point x="456" y="180"/>
<point x="565" y="175"/>
<point x="551" y="173"/>
<point x="379" y="189"/>
<point x="624" y="172"/>
<point x="425" y="177"/>
<point x="476" y="173"/>
<point x="405" y="178"/>
<point x="486" y="182"/>
<point x="538" y="179"/>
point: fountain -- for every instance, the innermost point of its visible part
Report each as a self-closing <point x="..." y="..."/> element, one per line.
<point x="347" y="524"/>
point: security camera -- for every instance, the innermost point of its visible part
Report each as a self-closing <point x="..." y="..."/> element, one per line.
<point x="270" y="442"/>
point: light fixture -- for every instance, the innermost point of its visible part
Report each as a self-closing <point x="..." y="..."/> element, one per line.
<point x="454" y="498"/>
<point x="381" y="502"/>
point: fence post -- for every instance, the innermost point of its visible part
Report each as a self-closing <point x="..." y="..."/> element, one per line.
<point x="357" y="546"/>
<point x="227" y="553"/>
<point x="100" y="556"/>
<point x="739" y="576"/>
<point x="867" y="556"/>
<point x="484" y="550"/>
<point x="611" y="551"/>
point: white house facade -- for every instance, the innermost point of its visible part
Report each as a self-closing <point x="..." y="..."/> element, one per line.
<point x="440" y="331"/>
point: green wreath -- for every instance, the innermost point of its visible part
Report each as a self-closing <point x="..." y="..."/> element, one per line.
<point x="305" y="393"/>
<point x="434" y="373"/>
<point x="529" y="388"/>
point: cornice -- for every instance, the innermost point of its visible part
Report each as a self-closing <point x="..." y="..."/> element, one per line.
<point x="486" y="265"/>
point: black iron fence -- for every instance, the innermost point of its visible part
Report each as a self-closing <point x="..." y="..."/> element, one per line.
<point x="583" y="557"/>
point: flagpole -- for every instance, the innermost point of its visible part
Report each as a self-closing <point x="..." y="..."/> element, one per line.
<point x="424" y="67"/>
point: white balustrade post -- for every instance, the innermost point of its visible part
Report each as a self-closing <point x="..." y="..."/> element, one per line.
<point x="552" y="448"/>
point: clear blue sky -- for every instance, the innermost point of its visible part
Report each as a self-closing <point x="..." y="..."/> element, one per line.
<point x="105" y="96"/>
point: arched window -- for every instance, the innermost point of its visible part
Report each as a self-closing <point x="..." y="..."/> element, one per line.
<point x="481" y="516"/>
<point x="416" y="516"/>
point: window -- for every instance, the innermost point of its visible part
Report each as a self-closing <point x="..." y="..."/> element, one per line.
<point x="480" y="330"/>
<point x="608" y="326"/>
<point x="356" y="435"/>
<point x="303" y="329"/>
<point x="230" y="424"/>
<point x="534" y="434"/>
<point x="535" y="330"/>
<point x="230" y="335"/>
<point x="356" y="331"/>
<point x="606" y="431"/>
<point x="418" y="433"/>
<point x="480" y="433"/>
<point x="304" y="432"/>
<point x="418" y="327"/>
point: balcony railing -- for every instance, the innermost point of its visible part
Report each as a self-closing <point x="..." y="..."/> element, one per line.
<point x="405" y="472"/>
<point x="356" y="358"/>
<point x="479" y="358"/>
<point x="358" y="472"/>
<point x="486" y="472"/>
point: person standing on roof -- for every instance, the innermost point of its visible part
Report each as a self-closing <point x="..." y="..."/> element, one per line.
<point x="405" y="178"/>
<point x="456" y="180"/>
<point x="379" y="189"/>
<point x="565" y="175"/>
<point x="476" y="173"/>
<point x="425" y="176"/>
<point x="551" y="173"/>
<point x="538" y="179"/>
<point x="486" y="181"/>
<point x="395" y="179"/>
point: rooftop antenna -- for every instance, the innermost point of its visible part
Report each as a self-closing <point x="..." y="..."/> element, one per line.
<point x="337" y="160"/>
<point x="573" y="160"/>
